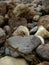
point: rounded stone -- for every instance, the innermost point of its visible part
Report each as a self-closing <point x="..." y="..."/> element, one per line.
<point x="44" y="20"/>
<point x="7" y="30"/>
<point x="43" y="51"/>
<point x="24" y="44"/>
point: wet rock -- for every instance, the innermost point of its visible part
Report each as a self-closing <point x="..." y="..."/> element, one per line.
<point x="44" y="63"/>
<point x="2" y="36"/>
<point x="44" y="20"/>
<point x="24" y="44"/>
<point x="43" y="51"/>
<point x="34" y="30"/>
<point x="12" y="61"/>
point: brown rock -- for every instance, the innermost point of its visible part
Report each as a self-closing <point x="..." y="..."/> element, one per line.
<point x="45" y="4"/>
<point x="43" y="51"/>
<point x="44" y="63"/>
<point x="15" y="22"/>
<point x="2" y="8"/>
<point x="44" y="20"/>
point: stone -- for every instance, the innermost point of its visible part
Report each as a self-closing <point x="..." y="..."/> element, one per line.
<point x="3" y="8"/>
<point x="2" y="36"/>
<point x="45" y="4"/>
<point x="43" y="51"/>
<point x="1" y="20"/>
<point x="7" y="30"/>
<point x="34" y="30"/>
<point x="21" y="31"/>
<point x="24" y="44"/>
<point x="44" y="20"/>
<point x="15" y="22"/>
<point x="44" y="63"/>
<point x="7" y="60"/>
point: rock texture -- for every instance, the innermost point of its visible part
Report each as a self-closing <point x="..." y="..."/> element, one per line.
<point x="24" y="44"/>
<point x="43" y="51"/>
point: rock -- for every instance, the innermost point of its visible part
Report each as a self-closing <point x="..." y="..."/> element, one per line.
<point x="36" y="17"/>
<point x="44" y="63"/>
<point x="7" y="30"/>
<point x="44" y="20"/>
<point x="21" y="31"/>
<point x="1" y="20"/>
<point x="2" y="8"/>
<point x="2" y="50"/>
<point x="24" y="44"/>
<point x="2" y="36"/>
<point x="12" y="61"/>
<point x="45" y="4"/>
<point x="47" y="27"/>
<point x="26" y="11"/>
<point x="43" y="51"/>
<point x="15" y="22"/>
<point x="34" y="30"/>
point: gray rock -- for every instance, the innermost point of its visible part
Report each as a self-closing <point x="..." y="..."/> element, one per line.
<point x="24" y="44"/>
<point x="34" y="30"/>
<point x="43" y="51"/>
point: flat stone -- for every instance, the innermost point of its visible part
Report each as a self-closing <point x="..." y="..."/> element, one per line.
<point x="43" y="51"/>
<point x="24" y="44"/>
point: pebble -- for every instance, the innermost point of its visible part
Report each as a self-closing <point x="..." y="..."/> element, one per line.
<point x="7" y="30"/>
<point x="7" y="60"/>
<point x="24" y="44"/>
<point x="43" y="51"/>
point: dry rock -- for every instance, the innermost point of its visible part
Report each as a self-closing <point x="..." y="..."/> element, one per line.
<point x="12" y="61"/>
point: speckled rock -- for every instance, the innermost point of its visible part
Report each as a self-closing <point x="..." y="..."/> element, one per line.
<point x="44" y="20"/>
<point x="12" y="61"/>
<point x="24" y="44"/>
<point x="43" y="51"/>
<point x="44" y="63"/>
<point x="2" y="36"/>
